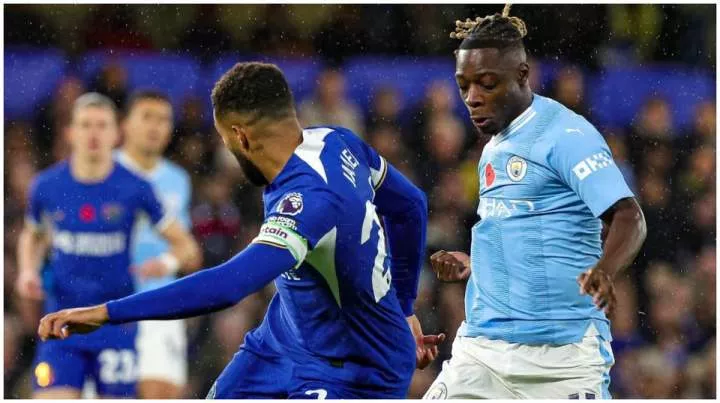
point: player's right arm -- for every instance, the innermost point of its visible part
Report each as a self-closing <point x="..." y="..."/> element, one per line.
<point x="450" y="266"/>
<point x="203" y="292"/>
<point x="32" y="247"/>
<point x="283" y="242"/>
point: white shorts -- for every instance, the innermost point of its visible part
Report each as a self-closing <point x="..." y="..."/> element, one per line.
<point x="481" y="368"/>
<point x="162" y="351"/>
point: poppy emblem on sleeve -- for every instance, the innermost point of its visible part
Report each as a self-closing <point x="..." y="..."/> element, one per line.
<point x="489" y="175"/>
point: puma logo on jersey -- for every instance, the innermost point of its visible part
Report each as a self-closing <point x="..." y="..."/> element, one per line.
<point x="575" y="131"/>
<point x="591" y="164"/>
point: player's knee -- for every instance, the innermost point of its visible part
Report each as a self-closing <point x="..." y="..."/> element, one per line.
<point x="57" y="393"/>
<point x="155" y="389"/>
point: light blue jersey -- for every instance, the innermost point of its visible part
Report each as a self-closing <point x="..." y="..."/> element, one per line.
<point x="544" y="181"/>
<point x="172" y="185"/>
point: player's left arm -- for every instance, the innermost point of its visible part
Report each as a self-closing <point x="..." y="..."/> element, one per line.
<point x="404" y="209"/>
<point x="584" y="161"/>
<point x="184" y="254"/>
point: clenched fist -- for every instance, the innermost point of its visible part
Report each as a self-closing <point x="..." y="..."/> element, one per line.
<point x="63" y="324"/>
<point x="450" y="266"/>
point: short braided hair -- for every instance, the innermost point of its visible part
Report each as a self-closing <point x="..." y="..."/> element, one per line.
<point x="497" y="30"/>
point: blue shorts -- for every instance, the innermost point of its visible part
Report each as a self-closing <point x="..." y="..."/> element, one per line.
<point x="251" y="375"/>
<point x="107" y="357"/>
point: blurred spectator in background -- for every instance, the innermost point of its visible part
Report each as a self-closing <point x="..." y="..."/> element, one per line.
<point x="54" y="118"/>
<point x="652" y="125"/>
<point x="347" y="23"/>
<point x="438" y="102"/>
<point x="444" y="137"/>
<point x="276" y="34"/>
<point x="112" y="81"/>
<point x="115" y="27"/>
<point x="569" y="90"/>
<point x="700" y="135"/>
<point x="205" y="38"/>
<point x="330" y="105"/>
<point x="216" y="220"/>
<point x="616" y="141"/>
<point x="386" y="107"/>
<point x="191" y="122"/>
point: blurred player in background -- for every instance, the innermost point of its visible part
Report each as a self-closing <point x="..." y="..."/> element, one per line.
<point x="342" y="322"/>
<point x="161" y="345"/>
<point x="87" y="207"/>
<point x="547" y="184"/>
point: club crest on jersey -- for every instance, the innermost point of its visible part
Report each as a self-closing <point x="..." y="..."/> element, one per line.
<point x="489" y="175"/>
<point x="291" y="204"/>
<point x="516" y="168"/>
<point x="111" y="212"/>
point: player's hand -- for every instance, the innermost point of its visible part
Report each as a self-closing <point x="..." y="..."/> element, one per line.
<point x="29" y="285"/>
<point x="62" y="324"/>
<point x="599" y="285"/>
<point x="152" y="268"/>
<point x="426" y="346"/>
<point x="450" y="266"/>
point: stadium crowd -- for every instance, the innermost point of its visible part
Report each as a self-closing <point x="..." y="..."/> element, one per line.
<point x="664" y="326"/>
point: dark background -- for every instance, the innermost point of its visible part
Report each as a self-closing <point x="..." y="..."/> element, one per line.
<point x="644" y="74"/>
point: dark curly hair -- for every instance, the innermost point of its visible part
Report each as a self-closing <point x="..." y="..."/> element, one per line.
<point x="258" y="90"/>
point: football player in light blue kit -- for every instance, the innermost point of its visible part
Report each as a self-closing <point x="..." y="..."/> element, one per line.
<point x="161" y="345"/>
<point x="342" y="322"/>
<point x="540" y="280"/>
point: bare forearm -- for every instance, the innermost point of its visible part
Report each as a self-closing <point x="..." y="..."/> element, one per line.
<point x="625" y="236"/>
<point x="32" y="247"/>
<point x="188" y="254"/>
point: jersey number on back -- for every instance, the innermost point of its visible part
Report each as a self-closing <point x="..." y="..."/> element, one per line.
<point x="381" y="277"/>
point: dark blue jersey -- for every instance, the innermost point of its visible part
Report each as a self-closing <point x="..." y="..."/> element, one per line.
<point x="339" y="302"/>
<point x="339" y="314"/>
<point x="91" y="226"/>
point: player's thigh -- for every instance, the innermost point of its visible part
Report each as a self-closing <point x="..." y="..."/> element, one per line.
<point x="250" y="375"/>
<point x="162" y="355"/>
<point x="115" y="369"/>
<point x="466" y="376"/>
<point x="59" y="369"/>
<point x="573" y="371"/>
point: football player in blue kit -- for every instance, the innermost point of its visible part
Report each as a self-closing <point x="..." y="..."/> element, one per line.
<point x="341" y="324"/>
<point x="87" y="207"/>
<point x="540" y="282"/>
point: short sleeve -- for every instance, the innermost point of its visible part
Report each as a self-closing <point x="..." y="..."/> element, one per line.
<point x="34" y="211"/>
<point x="298" y="221"/>
<point x="584" y="162"/>
<point x="377" y="164"/>
<point x="151" y="204"/>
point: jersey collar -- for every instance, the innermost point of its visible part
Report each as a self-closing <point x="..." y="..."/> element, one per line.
<point x="526" y="116"/>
